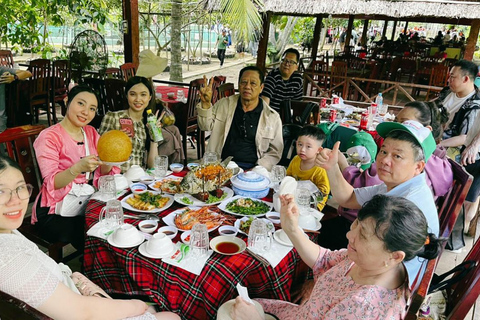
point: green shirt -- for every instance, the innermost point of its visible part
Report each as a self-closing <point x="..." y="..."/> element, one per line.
<point x="222" y="42"/>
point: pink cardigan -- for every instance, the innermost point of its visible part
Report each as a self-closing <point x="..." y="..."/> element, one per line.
<point x="56" y="151"/>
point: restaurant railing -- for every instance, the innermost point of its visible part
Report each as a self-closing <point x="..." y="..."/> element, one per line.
<point x="352" y="85"/>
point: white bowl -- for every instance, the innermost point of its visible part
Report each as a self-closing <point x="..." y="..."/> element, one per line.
<point x="231" y="242"/>
<point x="274" y="217"/>
<point x="186" y="237"/>
<point x="176" y="167"/>
<point x="307" y="222"/>
<point x="192" y="165"/>
<point x="125" y="235"/>
<point x="159" y="244"/>
<point x="148" y="226"/>
<point x="250" y="181"/>
<point x="229" y="231"/>
<point x="134" y="173"/>
<point x="169" y="231"/>
<point x="138" y="188"/>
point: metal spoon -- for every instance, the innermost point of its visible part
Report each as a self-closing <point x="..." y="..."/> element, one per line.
<point x="143" y="217"/>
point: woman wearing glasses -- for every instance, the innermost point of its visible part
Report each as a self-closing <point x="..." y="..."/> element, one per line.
<point x="28" y="274"/>
<point x="284" y="83"/>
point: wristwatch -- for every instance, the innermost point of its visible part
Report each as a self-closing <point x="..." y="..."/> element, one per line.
<point x="15" y="77"/>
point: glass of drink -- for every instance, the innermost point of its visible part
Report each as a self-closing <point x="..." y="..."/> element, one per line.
<point x="199" y="241"/>
<point x="112" y="214"/>
<point x="210" y="157"/>
<point x="277" y="175"/>
<point x="382" y="110"/>
<point x="303" y="196"/>
<point x="259" y="236"/>
<point x="161" y="166"/>
<point x="107" y="187"/>
<point x="180" y="95"/>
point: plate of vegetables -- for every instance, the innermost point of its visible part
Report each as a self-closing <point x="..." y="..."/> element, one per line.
<point x="204" y="199"/>
<point x="245" y="207"/>
<point x="243" y="224"/>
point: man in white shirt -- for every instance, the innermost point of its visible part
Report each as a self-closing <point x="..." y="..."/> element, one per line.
<point x="462" y="100"/>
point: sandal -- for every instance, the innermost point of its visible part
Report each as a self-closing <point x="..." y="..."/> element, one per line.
<point x="87" y="287"/>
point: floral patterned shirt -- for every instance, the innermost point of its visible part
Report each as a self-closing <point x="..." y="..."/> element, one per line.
<point x="336" y="296"/>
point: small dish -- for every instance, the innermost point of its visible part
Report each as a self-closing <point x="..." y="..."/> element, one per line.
<point x="274" y="217"/>
<point x="169" y="231"/>
<point x="227" y="245"/>
<point x="185" y="237"/>
<point x="228" y="231"/>
<point x="147" y="180"/>
<point x="176" y="167"/>
<point x="144" y="252"/>
<point x="138" y="188"/>
<point x="192" y="165"/>
<point x="148" y="226"/>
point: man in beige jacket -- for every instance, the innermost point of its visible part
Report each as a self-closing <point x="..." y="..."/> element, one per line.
<point x="243" y="126"/>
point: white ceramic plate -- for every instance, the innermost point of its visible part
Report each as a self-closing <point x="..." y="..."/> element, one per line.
<point x="166" y="206"/>
<point x="285" y="242"/>
<point x="112" y="242"/>
<point x="239" y="242"/>
<point x="116" y="163"/>
<point x="238" y="221"/>
<point x="195" y="202"/>
<point x="143" y="251"/>
<point x="152" y="185"/>
<point x="223" y="206"/>
<point x="170" y="219"/>
<point x="169" y="172"/>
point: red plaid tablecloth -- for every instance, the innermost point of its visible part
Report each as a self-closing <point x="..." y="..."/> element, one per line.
<point x="192" y="297"/>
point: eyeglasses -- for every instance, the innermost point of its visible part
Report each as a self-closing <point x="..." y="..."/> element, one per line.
<point x="289" y="62"/>
<point x="23" y="192"/>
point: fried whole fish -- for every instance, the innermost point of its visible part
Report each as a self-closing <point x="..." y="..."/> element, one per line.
<point x="205" y="178"/>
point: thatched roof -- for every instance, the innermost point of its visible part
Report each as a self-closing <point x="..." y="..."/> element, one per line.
<point x="396" y="9"/>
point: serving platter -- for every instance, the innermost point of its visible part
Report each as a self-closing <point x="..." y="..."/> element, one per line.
<point x="225" y="203"/>
<point x="190" y="200"/>
<point x="127" y="206"/>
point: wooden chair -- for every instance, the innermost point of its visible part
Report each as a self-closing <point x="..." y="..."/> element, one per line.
<point x="304" y="112"/>
<point x="115" y="94"/>
<point x="463" y="294"/>
<point x="438" y="78"/>
<point x="6" y="58"/>
<point x="128" y="70"/>
<point x="217" y="82"/>
<point x="98" y="85"/>
<point x="320" y="80"/>
<point x="39" y="90"/>
<point x="290" y="134"/>
<point x="12" y="308"/>
<point x="226" y="90"/>
<point x="61" y="76"/>
<point x="448" y="209"/>
<point x="188" y="124"/>
<point x="115" y="73"/>
<point x="338" y="74"/>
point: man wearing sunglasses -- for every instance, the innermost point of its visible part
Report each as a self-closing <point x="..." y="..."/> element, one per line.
<point x="284" y="83"/>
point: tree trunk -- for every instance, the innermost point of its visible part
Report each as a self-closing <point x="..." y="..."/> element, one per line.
<point x="176" y="38"/>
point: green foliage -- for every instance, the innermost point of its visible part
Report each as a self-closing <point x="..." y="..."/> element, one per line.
<point x="303" y="30"/>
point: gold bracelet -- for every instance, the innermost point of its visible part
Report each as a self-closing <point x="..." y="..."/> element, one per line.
<point x="71" y="172"/>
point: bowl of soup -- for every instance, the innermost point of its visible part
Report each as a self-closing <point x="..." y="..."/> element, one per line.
<point x="227" y="245"/>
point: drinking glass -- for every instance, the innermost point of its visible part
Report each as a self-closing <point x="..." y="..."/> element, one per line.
<point x="259" y="236"/>
<point x="382" y="110"/>
<point x="277" y="175"/>
<point x="161" y="166"/>
<point x="112" y="214"/>
<point x="180" y="95"/>
<point x="304" y="199"/>
<point x="210" y="157"/>
<point x="107" y="187"/>
<point x="199" y="241"/>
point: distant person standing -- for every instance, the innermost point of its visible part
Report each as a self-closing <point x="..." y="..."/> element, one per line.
<point x="8" y="75"/>
<point x="221" y="44"/>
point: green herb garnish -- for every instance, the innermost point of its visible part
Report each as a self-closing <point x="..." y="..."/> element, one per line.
<point x="186" y="200"/>
<point x="212" y="198"/>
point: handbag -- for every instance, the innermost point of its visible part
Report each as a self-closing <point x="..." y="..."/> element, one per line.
<point x="75" y="202"/>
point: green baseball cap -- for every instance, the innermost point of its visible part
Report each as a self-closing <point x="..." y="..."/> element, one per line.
<point x="362" y="148"/>
<point x="422" y="134"/>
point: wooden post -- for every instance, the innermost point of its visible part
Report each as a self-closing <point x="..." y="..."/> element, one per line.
<point x="405" y="28"/>
<point x="131" y="36"/>
<point x="263" y="43"/>
<point x="346" y="47"/>
<point x="393" y="30"/>
<point x="316" y="37"/>
<point x="364" y="32"/>
<point x="385" y="25"/>
<point x="472" y="40"/>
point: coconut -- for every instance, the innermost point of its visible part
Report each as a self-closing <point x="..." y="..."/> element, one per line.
<point x="114" y="146"/>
